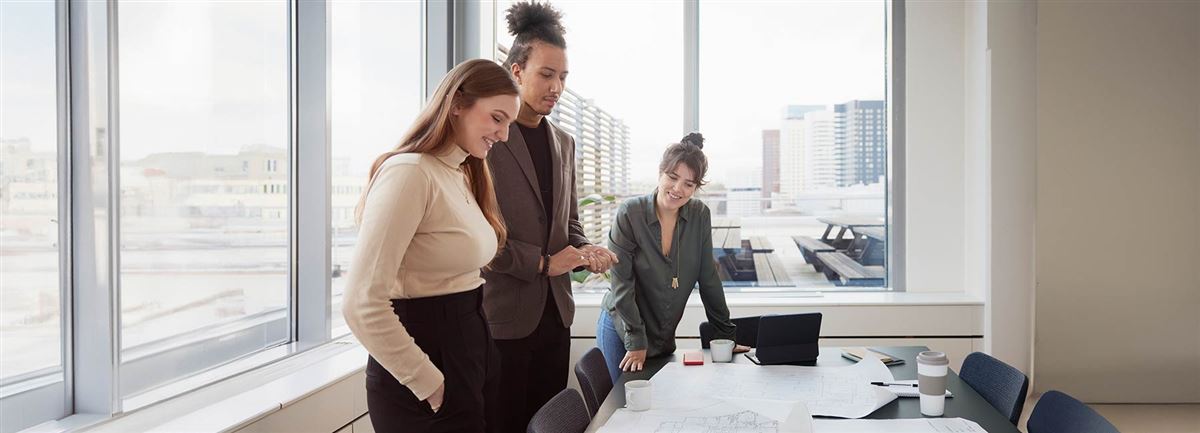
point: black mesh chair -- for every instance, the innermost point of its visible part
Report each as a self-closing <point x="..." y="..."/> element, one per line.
<point x="746" y="334"/>
<point x="565" y="413"/>
<point x="1002" y="385"/>
<point x="594" y="381"/>
<point x="1056" y="412"/>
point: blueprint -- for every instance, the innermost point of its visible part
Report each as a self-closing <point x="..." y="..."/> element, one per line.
<point x="918" y="425"/>
<point x="843" y="392"/>
<point x="715" y="417"/>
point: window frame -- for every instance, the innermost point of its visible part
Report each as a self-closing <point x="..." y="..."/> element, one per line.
<point x="32" y="397"/>
<point x="88" y="164"/>
<point x="167" y="364"/>
<point x="894" y="280"/>
<point x="893" y="184"/>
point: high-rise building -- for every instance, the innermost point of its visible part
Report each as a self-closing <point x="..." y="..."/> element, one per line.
<point x="822" y="153"/>
<point x="792" y="152"/>
<point x="770" y="164"/>
<point x="601" y="158"/>
<point x="862" y="133"/>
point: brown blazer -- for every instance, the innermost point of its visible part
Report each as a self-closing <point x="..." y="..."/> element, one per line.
<point x="514" y="295"/>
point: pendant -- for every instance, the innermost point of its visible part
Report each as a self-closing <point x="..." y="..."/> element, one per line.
<point x="674" y="282"/>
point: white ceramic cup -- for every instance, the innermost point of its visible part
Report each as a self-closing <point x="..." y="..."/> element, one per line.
<point x="932" y="368"/>
<point x="637" y="395"/>
<point x="721" y="349"/>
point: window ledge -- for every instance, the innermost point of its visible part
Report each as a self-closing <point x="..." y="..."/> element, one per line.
<point x="234" y="403"/>
<point x="819" y="299"/>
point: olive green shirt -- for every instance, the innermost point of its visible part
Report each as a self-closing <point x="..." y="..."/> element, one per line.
<point x="645" y="309"/>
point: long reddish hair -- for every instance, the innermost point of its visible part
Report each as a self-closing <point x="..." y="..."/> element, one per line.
<point x="433" y="133"/>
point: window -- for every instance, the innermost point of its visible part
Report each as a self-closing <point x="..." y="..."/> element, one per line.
<point x="621" y="113"/>
<point x="31" y="250"/>
<point x="204" y="265"/>
<point x="194" y="127"/>
<point x="810" y="101"/>
<point x="795" y="138"/>
<point x="376" y="93"/>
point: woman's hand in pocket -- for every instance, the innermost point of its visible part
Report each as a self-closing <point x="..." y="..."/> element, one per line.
<point x="435" y="399"/>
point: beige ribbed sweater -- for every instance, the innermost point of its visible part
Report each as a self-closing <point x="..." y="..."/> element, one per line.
<point x="422" y="234"/>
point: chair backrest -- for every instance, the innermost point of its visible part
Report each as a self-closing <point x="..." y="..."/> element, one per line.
<point x="1002" y="385"/>
<point x="1056" y="412"/>
<point x="565" y="413"/>
<point x="746" y="334"/>
<point x="594" y="381"/>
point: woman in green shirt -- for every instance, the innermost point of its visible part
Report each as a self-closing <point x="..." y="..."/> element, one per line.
<point x="663" y="243"/>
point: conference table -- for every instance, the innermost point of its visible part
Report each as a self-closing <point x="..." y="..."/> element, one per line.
<point x="966" y="403"/>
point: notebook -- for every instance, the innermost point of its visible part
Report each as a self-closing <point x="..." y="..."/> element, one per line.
<point x="857" y="354"/>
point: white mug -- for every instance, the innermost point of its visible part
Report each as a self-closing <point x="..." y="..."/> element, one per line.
<point x="721" y="349"/>
<point x="637" y="395"/>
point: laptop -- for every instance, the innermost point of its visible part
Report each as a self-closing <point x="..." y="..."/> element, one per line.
<point x="787" y="339"/>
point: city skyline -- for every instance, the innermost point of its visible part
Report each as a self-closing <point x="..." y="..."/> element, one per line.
<point x="736" y="104"/>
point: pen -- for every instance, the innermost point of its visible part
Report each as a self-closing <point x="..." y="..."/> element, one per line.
<point x="894" y="384"/>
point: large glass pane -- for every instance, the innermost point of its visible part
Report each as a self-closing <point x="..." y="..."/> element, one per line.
<point x="30" y="274"/>
<point x="376" y="93"/>
<point x="204" y="184"/>
<point x="792" y="104"/>
<point x="624" y="100"/>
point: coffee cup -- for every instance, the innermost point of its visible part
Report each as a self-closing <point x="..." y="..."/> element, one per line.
<point x="721" y="350"/>
<point x="932" y="368"/>
<point x="638" y="394"/>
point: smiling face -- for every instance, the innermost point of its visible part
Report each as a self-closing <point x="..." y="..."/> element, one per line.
<point x="676" y="187"/>
<point x="543" y="77"/>
<point x="484" y="123"/>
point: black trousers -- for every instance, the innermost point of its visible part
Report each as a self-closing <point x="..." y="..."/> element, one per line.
<point x="452" y="331"/>
<point x="533" y="369"/>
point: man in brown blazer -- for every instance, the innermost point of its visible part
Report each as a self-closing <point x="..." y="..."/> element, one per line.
<point x="527" y="294"/>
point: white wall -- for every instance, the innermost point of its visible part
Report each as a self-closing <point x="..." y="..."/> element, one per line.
<point x="1118" y="209"/>
<point x="970" y="146"/>
<point x="935" y="54"/>
<point x="977" y="152"/>
<point x="1012" y="144"/>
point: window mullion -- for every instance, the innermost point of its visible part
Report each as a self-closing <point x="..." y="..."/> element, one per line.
<point x="310" y="197"/>
<point x="94" y="208"/>
<point x="894" y="180"/>
<point x="691" y="66"/>
<point x="63" y="45"/>
<point x="438" y="46"/>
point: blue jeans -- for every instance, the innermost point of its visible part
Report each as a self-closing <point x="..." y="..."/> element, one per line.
<point x="610" y="345"/>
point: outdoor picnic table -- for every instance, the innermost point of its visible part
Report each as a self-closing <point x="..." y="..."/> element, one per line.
<point x="874" y="232"/>
<point x="726" y="223"/>
<point x="727" y="238"/>
<point x="870" y="246"/>
<point x="844" y="223"/>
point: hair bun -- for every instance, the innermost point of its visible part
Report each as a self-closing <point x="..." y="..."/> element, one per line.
<point x="695" y="139"/>
<point x="525" y="17"/>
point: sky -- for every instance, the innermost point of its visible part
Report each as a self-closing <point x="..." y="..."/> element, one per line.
<point x="27" y="73"/>
<point x="211" y="76"/>
<point x="756" y="57"/>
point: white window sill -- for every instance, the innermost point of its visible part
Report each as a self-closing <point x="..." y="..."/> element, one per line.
<point x="241" y="401"/>
<point x="236" y="402"/>
<point x="817" y="299"/>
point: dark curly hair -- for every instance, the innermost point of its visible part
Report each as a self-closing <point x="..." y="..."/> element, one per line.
<point x="688" y="151"/>
<point x="531" y="22"/>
